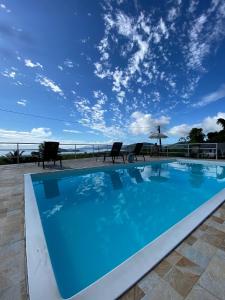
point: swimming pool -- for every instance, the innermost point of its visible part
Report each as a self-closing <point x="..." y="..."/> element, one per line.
<point x="100" y="223"/>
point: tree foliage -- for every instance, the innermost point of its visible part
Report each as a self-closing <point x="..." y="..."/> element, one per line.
<point x="217" y="136"/>
<point x="196" y="135"/>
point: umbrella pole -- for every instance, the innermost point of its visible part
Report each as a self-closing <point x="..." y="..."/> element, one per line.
<point x="160" y="142"/>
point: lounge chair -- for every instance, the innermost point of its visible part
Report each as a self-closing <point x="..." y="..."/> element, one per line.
<point x="137" y="150"/>
<point x="115" y="152"/>
<point x="50" y="153"/>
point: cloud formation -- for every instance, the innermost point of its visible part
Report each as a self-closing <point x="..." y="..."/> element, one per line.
<point x="144" y="45"/>
<point x="34" y="135"/>
<point x="208" y="124"/>
<point x="211" y="97"/>
<point x="30" y="64"/>
<point x="43" y="80"/>
<point x="145" y="123"/>
<point x="22" y="102"/>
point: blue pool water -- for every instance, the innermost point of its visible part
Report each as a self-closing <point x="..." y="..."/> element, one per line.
<point x="93" y="220"/>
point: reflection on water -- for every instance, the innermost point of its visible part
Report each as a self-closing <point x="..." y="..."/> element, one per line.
<point x="220" y="172"/>
<point x="51" y="188"/>
<point x="135" y="174"/>
<point x="115" y="179"/>
<point x="197" y="175"/>
<point x="159" y="173"/>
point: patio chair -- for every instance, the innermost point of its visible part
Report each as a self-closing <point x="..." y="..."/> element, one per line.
<point x="50" y="153"/>
<point x="155" y="150"/>
<point x="115" y="152"/>
<point x="137" y="150"/>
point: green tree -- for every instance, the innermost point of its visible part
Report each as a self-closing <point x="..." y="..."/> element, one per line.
<point x="196" y="135"/>
<point x="221" y="122"/>
<point x="217" y="136"/>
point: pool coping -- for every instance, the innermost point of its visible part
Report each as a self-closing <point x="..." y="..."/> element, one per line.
<point x="41" y="279"/>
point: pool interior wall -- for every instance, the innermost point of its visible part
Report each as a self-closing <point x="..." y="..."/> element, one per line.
<point x="116" y="211"/>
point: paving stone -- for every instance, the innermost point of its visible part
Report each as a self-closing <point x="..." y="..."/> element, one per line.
<point x="200" y="253"/>
<point x="162" y="268"/>
<point x="191" y="240"/>
<point x="213" y="279"/>
<point x="135" y="293"/>
<point x="163" y="291"/>
<point x="216" y="219"/>
<point x="220" y="213"/>
<point x="15" y="292"/>
<point x="12" y="264"/>
<point x="217" y="225"/>
<point x="173" y="257"/>
<point x="12" y="227"/>
<point x="199" y="293"/>
<point x="149" y="282"/>
<point x="213" y="236"/>
<point x="203" y="227"/>
<point x="186" y="265"/>
<point x="181" y="279"/>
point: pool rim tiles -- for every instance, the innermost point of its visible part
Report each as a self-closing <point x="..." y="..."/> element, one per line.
<point x="41" y="278"/>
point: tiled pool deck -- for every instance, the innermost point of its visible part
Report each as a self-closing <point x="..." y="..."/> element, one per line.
<point x="194" y="270"/>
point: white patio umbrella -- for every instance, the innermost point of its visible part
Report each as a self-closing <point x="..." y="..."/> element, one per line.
<point x="158" y="135"/>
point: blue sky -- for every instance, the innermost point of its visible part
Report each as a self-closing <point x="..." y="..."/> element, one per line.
<point x="110" y="70"/>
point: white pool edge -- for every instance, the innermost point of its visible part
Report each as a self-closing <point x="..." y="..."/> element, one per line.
<point x="41" y="279"/>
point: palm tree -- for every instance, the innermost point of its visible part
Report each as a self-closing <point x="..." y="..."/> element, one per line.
<point x="12" y="156"/>
<point x="221" y="122"/>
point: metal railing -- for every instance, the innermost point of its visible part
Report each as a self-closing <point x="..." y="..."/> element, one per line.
<point x="198" y="150"/>
<point x="64" y="148"/>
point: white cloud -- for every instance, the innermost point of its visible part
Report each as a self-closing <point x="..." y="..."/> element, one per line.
<point x="205" y="33"/>
<point x="68" y="63"/>
<point x="30" y="64"/>
<point x="34" y="135"/>
<point x="180" y="130"/>
<point x="211" y="97"/>
<point x="145" y="43"/>
<point x="60" y="68"/>
<point x="172" y="14"/>
<point x="145" y="123"/>
<point x="93" y="115"/>
<point x="49" y="84"/>
<point x="22" y="102"/>
<point x="71" y="131"/>
<point x="9" y="74"/>
<point x="208" y="124"/>
<point x="193" y="6"/>
<point x="163" y="28"/>
<point x="3" y="7"/>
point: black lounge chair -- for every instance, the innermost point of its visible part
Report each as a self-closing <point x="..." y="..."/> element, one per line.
<point x="137" y="150"/>
<point x="50" y="153"/>
<point x="115" y="152"/>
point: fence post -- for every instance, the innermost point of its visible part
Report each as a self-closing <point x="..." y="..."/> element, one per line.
<point x="188" y="150"/>
<point x="97" y="154"/>
<point x="216" y="151"/>
<point x="167" y="154"/>
<point x="93" y="150"/>
<point x="75" y="149"/>
<point x="17" y="153"/>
